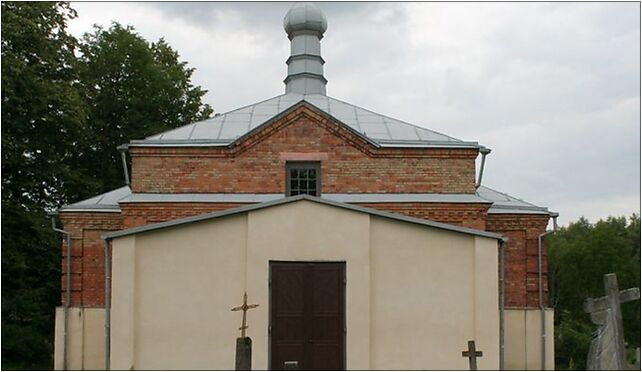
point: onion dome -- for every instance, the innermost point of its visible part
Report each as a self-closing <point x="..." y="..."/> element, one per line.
<point x="304" y="17"/>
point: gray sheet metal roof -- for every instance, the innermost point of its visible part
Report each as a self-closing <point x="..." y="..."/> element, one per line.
<point x="107" y="202"/>
<point x="253" y="207"/>
<point x="224" y="129"/>
<point x="507" y="204"/>
<point x="502" y="203"/>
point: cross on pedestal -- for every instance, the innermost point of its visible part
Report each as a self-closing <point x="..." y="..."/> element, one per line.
<point x="472" y="355"/>
<point x="245" y="307"/>
<point x="607" y="309"/>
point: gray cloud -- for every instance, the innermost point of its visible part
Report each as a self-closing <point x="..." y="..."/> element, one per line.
<point x="552" y="88"/>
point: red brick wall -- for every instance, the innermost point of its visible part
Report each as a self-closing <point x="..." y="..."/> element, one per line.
<point x="138" y="214"/>
<point x="521" y="258"/>
<point x="257" y="164"/>
<point x="468" y="215"/>
<point x="87" y="253"/>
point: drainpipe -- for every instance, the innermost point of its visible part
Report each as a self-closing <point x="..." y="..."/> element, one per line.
<point x="484" y="151"/>
<point x="502" y="246"/>
<point x="123" y="149"/>
<point x="67" y="292"/>
<point x="107" y="304"/>
<point x="542" y="309"/>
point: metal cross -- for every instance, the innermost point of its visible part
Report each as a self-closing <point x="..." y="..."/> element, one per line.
<point x="600" y="314"/>
<point x="245" y="307"/>
<point x="472" y="355"/>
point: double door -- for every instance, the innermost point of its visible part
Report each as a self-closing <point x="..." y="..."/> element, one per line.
<point x="307" y="315"/>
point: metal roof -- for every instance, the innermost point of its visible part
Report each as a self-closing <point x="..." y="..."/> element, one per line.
<point x="107" y="202"/>
<point x="502" y="203"/>
<point x="224" y="129"/>
<point x="507" y="204"/>
<point x="286" y="200"/>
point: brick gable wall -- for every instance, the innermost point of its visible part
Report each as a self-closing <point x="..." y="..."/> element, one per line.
<point x="256" y="164"/>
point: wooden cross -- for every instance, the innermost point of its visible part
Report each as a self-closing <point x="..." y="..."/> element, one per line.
<point x="245" y="307"/>
<point x="472" y="355"/>
<point x="607" y="308"/>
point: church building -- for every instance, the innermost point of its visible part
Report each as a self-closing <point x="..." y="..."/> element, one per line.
<point x="367" y="243"/>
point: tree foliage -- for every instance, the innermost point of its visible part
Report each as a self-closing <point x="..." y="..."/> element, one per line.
<point x="43" y="116"/>
<point x="578" y="256"/>
<point x="134" y="89"/>
<point x="66" y="105"/>
<point x="42" y="120"/>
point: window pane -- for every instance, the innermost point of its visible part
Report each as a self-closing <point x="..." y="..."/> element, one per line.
<point x="303" y="178"/>
<point x="312" y="184"/>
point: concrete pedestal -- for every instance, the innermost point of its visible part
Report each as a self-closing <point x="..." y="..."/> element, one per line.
<point x="243" y="354"/>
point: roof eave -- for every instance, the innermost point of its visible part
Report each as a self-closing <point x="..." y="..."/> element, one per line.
<point x="89" y="210"/>
<point x="505" y="209"/>
<point x="178" y="143"/>
<point x="231" y="143"/>
<point x="430" y="144"/>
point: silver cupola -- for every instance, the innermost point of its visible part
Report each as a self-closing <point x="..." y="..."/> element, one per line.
<point x="305" y="24"/>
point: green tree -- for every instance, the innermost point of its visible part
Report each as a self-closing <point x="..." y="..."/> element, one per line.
<point x="578" y="256"/>
<point x="43" y="118"/>
<point x="43" y="114"/>
<point x="134" y="89"/>
<point x="62" y="118"/>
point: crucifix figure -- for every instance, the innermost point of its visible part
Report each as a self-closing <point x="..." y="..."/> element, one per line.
<point x="245" y="307"/>
<point x="607" y="349"/>
<point x="472" y="355"/>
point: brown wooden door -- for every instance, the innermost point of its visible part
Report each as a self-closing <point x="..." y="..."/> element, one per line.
<point x="307" y="322"/>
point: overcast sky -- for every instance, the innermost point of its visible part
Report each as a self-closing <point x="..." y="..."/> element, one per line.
<point x="552" y="88"/>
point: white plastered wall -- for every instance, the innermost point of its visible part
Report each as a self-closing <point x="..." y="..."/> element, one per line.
<point x="432" y="291"/>
<point x="523" y="335"/>
<point x="86" y="348"/>
<point x="415" y="294"/>
<point x="172" y="293"/>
